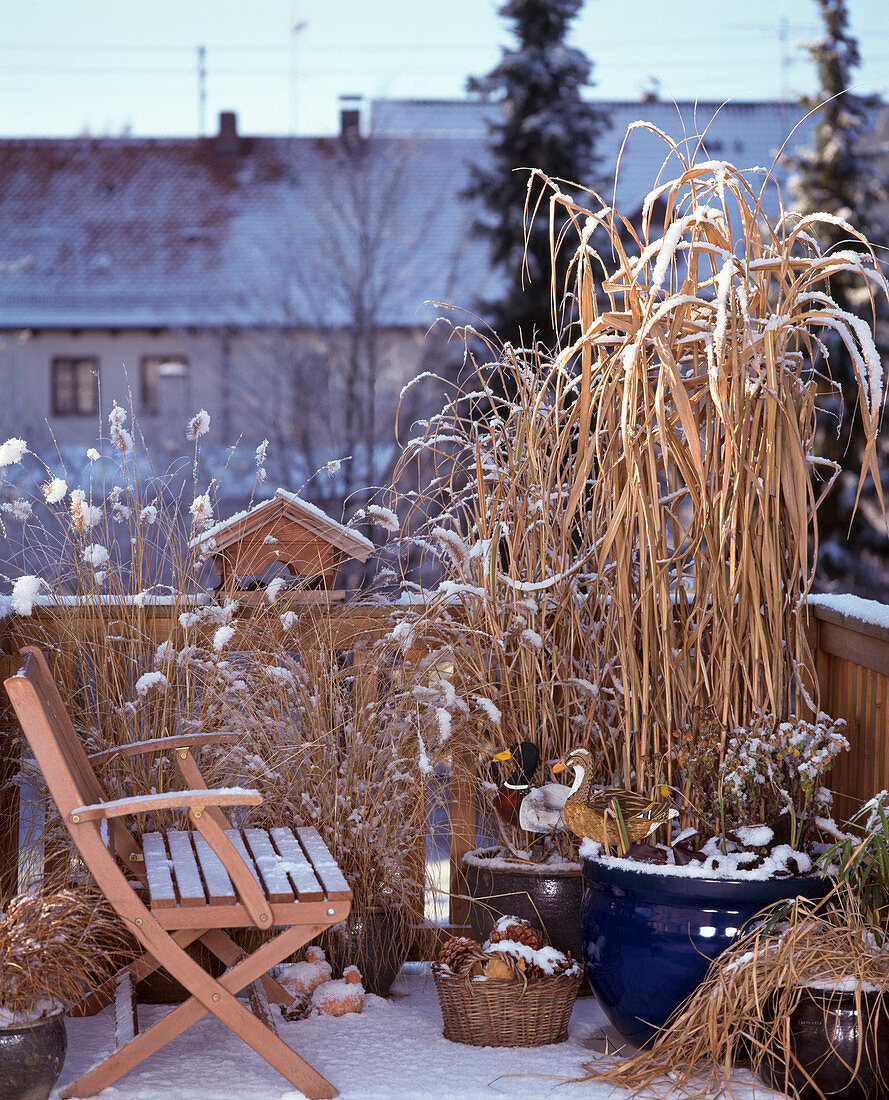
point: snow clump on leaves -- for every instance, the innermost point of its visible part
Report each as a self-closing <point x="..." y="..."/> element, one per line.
<point x="120" y="437"/>
<point x="24" y="593"/>
<point x="150" y="680"/>
<point x="55" y="490"/>
<point x="95" y="555"/>
<point x="12" y="451"/>
<point x="198" y="425"/>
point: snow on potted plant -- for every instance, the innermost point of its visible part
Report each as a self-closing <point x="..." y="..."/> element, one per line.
<point x="694" y="424"/>
<point x="53" y="948"/>
<point x="802" y="998"/>
<point x="509" y="659"/>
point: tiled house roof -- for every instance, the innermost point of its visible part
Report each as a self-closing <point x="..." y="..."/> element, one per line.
<point x="143" y="233"/>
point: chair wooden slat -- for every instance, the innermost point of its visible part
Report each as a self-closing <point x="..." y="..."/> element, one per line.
<point x="271" y="868"/>
<point x="234" y="835"/>
<point x="185" y="868"/>
<point x="158" y="868"/>
<point x="219" y="886"/>
<point x="298" y="867"/>
<point x="325" y="865"/>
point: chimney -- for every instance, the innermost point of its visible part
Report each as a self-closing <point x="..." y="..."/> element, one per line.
<point x="227" y="143"/>
<point x="350" y="117"/>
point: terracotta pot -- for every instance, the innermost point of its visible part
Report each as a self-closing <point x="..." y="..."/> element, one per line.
<point x="547" y="898"/>
<point x="827" y="1033"/>
<point x="31" y="1058"/>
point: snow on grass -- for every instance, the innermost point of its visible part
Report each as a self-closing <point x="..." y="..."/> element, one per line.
<point x="12" y="452"/>
<point x="24" y="593"/>
<point x="55" y="490"/>
<point x="95" y="555"/>
<point x="149" y="680"/>
<point x="197" y="426"/>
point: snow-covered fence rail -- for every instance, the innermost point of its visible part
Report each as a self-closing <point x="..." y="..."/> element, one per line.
<point x="850" y="639"/>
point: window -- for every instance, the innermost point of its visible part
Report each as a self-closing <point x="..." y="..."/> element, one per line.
<point x="154" y="369"/>
<point x="75" y="387"/>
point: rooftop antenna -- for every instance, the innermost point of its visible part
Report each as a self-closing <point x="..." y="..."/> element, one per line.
<point x="202" y="90"/>
<point x="784" y="42"/>
<point x="297" y="27"/>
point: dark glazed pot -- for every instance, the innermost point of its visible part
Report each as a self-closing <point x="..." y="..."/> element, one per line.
<point x="546" y="898"/>
<point x="649" y="939"/>
<point x="826" y="1035"/>
<point x="374" y="940"/>
<point x="31" y="1058"/>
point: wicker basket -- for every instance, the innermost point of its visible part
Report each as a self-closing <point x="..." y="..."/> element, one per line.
<point x="504" y="1013"/>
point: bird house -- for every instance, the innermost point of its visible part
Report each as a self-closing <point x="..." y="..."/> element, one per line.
<point x="288" y="532"/>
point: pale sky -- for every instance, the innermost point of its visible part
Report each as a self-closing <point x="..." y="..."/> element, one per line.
<point x="105" y="66"/>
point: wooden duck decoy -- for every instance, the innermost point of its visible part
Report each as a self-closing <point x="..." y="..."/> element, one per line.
<point x="543" y="808"/>
<point x="590" y="813"/>
<point x="517" y="782"/>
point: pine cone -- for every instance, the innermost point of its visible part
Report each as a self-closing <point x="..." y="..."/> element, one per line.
<point x="459" y="953"/>
<point x="515" y="930"/>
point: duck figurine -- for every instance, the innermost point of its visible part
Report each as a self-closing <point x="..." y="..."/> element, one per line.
<point x="517" y="782"/>
<point x="542" y="808"/>
<point x="590" y="813"/>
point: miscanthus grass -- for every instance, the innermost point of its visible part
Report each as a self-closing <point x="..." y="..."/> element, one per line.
<point x="692" y="437"/>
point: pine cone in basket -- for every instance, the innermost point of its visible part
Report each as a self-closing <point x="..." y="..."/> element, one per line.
<point x="460" y="953"/>
<point x="515" y="930"/>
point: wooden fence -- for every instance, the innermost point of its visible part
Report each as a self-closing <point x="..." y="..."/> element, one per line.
<point x="852" y="662"/>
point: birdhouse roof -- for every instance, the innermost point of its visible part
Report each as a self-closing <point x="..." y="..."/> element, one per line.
<point x="284" y="505"/>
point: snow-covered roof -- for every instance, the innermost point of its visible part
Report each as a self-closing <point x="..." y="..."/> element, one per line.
<point x="145" y="233"/>
<point x="290" y="506"/>
<point x="747" y="134"/>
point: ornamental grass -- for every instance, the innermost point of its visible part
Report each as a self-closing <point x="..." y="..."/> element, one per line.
<point x="739" y="1016"/>
<point x="506" y="629"/>
<point x="55" y="945"/>
<point x="116" y="580"/>
<point x="692" y="443"/>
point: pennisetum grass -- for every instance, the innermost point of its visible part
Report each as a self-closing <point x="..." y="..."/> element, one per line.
<point x="144" y="647"/>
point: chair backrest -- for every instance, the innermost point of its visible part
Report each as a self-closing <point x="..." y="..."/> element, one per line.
<point x="46" y="724"/>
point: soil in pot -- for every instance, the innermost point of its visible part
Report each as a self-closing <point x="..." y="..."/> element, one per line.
<point x="649" y="937"/>
<point x="377" y="942"/>
<point x="827" y="1034"/>
<point x="546" y="897"/>
<point x="31" y="1058"/>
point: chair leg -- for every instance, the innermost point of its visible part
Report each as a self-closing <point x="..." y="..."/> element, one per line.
<point x="229" y="1010"/>
<point x="126" y="1015"/>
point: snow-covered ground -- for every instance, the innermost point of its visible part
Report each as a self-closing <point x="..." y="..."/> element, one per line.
<point x="394" y="1048"/>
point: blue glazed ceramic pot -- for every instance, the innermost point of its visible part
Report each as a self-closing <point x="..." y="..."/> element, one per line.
<point x="649" y="939"/>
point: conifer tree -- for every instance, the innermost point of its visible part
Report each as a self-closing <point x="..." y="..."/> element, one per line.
<point x="544" y="123"/>
<point x="840" y="174"/>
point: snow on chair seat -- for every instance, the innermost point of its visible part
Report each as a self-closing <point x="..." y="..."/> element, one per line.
<point x="289" y="866"/>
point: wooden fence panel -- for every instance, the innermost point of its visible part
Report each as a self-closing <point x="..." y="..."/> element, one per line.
<point x="852" y="661"/>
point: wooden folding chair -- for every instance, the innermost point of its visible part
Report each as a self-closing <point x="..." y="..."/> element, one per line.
<point x="196" y="883"/>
